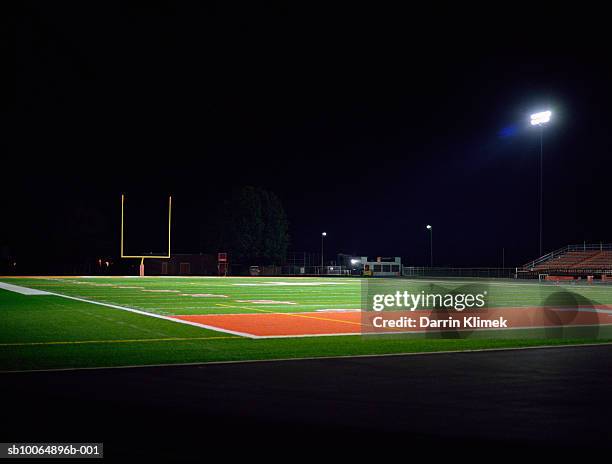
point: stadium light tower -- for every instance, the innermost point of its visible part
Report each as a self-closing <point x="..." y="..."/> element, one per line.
<point x="430" y="229"/>
<point x="540" y="119"/>
<point x="323" y="235"/>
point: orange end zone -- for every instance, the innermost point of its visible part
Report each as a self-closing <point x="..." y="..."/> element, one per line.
<point x="282" y="324"/>
<point x="354" y="323"/>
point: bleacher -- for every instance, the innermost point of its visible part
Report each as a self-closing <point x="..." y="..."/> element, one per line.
<point x="601" y="260"/>
<point x="569" y="260"/>
<point x="574" y="260"/>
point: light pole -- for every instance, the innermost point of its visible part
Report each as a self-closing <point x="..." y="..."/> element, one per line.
<point x="430" y="244"/>
<point x="539" y="119"/>
<point x="323" y="235"/>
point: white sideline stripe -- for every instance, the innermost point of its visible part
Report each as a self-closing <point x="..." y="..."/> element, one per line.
<point x="158" y="316"/>
<point x="22" y="290"/>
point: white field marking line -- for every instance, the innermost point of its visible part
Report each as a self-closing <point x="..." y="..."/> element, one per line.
<point x="341" y="310"/>
<point x="262" y="312"/>
<point x="194" y="308"/>
<point x="158" y="316"/>
<point x="203" y="295"/>
<point x="264" y="302"/>
<point x="154" y="290"/>
<point x="314" y="358"/>
<point x="22" y="290"/>
<point x="344" y="334"/>
<point x="289" y="284"/>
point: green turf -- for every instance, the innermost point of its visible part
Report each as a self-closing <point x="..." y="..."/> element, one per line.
<point x="41" y="332"/>
<point x="230" y="295"/>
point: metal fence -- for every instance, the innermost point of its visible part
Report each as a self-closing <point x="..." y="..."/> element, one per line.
<point x="293" y="270"/>
<point x="576" y="272"/>
<point x="407" y="271"/>
<point x="476" y="272"/>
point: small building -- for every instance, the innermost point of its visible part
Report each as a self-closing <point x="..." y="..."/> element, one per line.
<point x="184" y="264"/>
<point x="377" y="267"/>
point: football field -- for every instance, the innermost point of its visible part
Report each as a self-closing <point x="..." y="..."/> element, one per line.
<point x="81" y="322"/>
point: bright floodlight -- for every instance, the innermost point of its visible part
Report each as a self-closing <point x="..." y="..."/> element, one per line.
<point x="428" y="226"/>
<point x="540" y="118"/>
<point x="355" y="261"/>
<point x="324" y="234"/>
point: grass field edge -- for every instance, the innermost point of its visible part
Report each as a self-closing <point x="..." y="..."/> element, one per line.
<point x="313" y="358"/>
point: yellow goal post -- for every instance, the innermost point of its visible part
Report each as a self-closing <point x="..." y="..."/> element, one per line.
<point x="143" y="257"/>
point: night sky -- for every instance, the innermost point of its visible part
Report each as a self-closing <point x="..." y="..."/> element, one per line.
<point x="367" y="133"/>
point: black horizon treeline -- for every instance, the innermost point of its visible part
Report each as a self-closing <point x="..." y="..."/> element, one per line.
<point x="78" y="237"/>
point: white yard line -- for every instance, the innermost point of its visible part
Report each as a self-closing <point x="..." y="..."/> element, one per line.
<point x="22" y="290"/>
<point x="158" y="316"/>
<point x="31" y="291"/>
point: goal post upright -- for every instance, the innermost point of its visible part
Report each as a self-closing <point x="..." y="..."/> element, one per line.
<point x="143" y="257"/>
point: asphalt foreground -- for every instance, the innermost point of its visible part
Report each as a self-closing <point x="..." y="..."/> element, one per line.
<point x="480" y="405"/>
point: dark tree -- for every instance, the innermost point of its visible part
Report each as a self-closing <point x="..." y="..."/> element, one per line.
<point x="276" y="236"/>
<point x="252" y="226"/>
